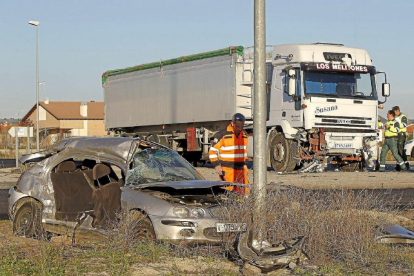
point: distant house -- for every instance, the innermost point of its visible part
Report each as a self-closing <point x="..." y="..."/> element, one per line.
<point x="10" y="121"/>
<point x="68" y="119"/>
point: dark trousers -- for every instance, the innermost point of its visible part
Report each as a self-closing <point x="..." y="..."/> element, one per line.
<point x="390" y="143"/>
<point x="401" y="142"/>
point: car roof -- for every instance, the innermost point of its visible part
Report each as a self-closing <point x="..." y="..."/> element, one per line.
<point x="106" y="147"/>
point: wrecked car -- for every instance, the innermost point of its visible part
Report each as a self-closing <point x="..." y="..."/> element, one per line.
<point x="83" y="184"/>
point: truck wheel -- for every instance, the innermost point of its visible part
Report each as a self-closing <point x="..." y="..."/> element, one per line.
<point x="281" y="154"/>
<point x="269" y="145"/>
<point x="27" y="221"/>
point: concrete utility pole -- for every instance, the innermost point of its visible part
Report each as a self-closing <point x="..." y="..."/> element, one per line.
<point x="259" y="113"/>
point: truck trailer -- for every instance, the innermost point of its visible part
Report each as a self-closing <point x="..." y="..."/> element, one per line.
<point x="322" y="103"/>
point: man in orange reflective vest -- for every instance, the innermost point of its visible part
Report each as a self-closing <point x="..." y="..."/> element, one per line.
<point x="228" y="154"/>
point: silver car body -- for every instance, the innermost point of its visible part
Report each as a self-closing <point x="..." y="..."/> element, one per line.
<point x="36" y="184"/>
<point x="409" y="145"/>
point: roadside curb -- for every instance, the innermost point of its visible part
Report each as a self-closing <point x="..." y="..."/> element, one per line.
<point x="6" y="186"/>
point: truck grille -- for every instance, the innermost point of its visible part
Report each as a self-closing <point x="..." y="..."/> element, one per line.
<point x="344" y="121"/>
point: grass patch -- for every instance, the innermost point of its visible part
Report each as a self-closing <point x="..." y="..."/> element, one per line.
<point x="339" y="227"/>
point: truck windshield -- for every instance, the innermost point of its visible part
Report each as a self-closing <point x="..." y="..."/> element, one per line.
<point x="153" y="165"/>
<point x="340" y="84"/>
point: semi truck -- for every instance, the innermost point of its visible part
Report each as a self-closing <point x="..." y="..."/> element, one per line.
<point x="322" y="103"/>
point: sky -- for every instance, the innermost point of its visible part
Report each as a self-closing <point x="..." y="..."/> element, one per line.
<point x="79" y="40"/>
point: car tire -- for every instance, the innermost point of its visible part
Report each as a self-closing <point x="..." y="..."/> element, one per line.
<point x="142" y="227"/>
<point x="282" y="154"/>
<point x="27" y="221"/>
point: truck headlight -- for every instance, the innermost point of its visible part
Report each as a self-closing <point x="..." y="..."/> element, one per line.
<point x="197" y="212"/>
<point x="181" y="212"/>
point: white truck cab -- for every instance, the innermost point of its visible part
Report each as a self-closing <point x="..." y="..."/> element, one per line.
<point x="323" y="103"/>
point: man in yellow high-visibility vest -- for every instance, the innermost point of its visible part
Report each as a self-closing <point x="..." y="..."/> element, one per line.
<point x="390" y="143"/>
<point x="402" y="134"/>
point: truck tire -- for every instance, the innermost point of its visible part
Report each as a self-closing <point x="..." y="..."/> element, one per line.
<point x="269" y="144"/>
<point x="281" y="154"/>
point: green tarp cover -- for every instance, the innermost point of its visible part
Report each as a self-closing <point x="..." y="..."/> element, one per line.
<point x="221" y="52"/>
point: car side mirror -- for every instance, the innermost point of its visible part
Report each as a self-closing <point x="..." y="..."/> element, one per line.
<point x="386" y="90"/>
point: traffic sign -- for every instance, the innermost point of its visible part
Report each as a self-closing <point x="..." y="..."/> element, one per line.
<point x="21" y="132"/>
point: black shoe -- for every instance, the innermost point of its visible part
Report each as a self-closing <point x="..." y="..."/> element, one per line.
<point x="407" y="165"/>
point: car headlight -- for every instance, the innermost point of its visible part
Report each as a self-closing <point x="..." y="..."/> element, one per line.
<point x="409" y="142"/>
<point x="181" y="212"/>
<point x="197" y="212"/>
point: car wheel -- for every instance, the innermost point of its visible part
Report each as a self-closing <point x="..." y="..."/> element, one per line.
<point x="281" y="154"/>
<point x="27" y="221"/>
<point x="142" y="227"/>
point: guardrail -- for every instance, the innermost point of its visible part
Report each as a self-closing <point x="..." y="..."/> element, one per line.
<point x="7" y="163"/>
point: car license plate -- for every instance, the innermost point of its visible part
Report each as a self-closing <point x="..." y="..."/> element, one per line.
<point x="231" y="227"/>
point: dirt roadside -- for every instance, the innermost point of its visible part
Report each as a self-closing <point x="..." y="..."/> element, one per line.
<point x="8" y="177"/>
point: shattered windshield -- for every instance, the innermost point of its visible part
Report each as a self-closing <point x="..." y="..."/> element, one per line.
<point x="151" y="165"/>
<point x="340" y="84"/>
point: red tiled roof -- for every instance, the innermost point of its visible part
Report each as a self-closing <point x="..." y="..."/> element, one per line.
<point x="71" y="110"/>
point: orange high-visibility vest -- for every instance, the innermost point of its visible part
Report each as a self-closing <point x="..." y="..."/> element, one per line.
<point x="228" y="150"/>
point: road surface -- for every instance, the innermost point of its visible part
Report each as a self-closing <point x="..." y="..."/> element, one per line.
<point x="3" y="204"/>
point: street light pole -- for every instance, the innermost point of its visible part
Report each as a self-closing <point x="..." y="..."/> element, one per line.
<point x="36" y="24"/>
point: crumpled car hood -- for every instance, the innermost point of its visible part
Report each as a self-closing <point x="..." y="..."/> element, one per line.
<point x="109" y="147"/>
<point x="190" y="184"/>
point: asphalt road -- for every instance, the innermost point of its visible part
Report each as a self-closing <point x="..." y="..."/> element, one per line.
<point x="3" y="204"/>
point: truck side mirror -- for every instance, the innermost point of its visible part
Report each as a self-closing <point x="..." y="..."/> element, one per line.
<point x="292" y="83"/>
<point x="385" y="89"/>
